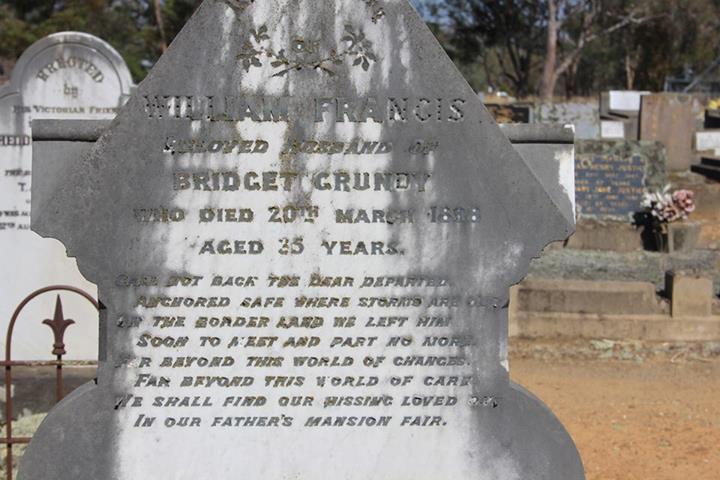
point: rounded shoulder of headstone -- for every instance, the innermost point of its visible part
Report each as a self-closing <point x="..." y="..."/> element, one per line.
<point x="539" y="439"/>
<point x="75" y="440"/>
<point x="99" y="45"/>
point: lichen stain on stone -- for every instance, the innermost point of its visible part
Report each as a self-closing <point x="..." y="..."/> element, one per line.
<point x="227" y="28"/>
<point x="566" y="173"/>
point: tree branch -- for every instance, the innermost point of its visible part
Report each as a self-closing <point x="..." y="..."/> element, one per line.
<point x="586" y="37"/>
<point x="160" y="25"/>
<point x="509" y="75"/>
<point x="621" y="24"/>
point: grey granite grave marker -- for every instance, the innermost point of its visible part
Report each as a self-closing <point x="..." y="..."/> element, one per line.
<point x="68" y="75"/>
<point x="303" y="226"/>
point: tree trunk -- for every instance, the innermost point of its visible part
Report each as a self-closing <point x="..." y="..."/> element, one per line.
<point x="571" y="79"/>
<point x="549" y="77"/>
<point x="629" y="72"/>
<point x="160" y="25"/>
<point x="6" y="67"/>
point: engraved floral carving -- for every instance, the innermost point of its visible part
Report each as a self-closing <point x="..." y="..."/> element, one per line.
<point x="378" y="12"/>
<point x="306" y="53"/>
<point x="239" y="6"/>
<point x="250" y="56"/>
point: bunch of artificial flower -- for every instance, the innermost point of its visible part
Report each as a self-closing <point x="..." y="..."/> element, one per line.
<point x="667" y="207"/>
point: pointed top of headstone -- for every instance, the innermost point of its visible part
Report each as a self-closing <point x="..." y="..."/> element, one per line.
<point x="303" y="226"/>
<point x="303" y="69"/>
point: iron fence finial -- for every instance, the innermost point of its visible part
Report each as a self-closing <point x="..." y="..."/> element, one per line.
<point x="58" y="325"/>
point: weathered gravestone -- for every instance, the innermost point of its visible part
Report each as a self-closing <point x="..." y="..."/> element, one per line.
<point x="584" y="116"/>
<point x="619" y="113"/>
<point x="669" y="118"/>
<point x="303" y="227"/>
<point x="67" y="75"/>
<point x="612" y="176"/>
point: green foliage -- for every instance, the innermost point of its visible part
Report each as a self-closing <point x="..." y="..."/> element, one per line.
<point x="507" y="38"/>
<point x="685" y="37"/>
<point x="493" y="29"/>
<point x="15" y="34"/>
<point x="176" y="13"/>
<point x="121" y="23"/>
<point x="497" y="43"/>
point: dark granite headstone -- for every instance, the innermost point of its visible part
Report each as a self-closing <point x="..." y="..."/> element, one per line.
<point x="304" y="226"/>
<point x="612" y="176"/>
<point x="510" y="113"/>
<point x="712" y="119"/>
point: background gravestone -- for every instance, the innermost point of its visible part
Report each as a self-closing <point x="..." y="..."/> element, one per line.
<point x="669" y="118"/>
<point x="584" y="116"/>
<point x="303" y="227"/>
<point x="67" y="75"/>
<point x="611" y="176"/>
<point x="619" y="113"/>
<point x="510" y="113"/>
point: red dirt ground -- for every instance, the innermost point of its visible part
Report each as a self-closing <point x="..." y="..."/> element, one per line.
<point x="659" y="419"/>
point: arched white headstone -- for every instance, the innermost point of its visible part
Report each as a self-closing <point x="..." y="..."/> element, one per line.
<point x="67" y="75"/>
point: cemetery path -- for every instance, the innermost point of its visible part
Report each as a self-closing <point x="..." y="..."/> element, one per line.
<point x="634" y="419"/>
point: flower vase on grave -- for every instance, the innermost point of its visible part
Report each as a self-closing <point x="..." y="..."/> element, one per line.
<point x="662" y="241"/>
<point x="668" y="212"/>
<point x="682" y="236"/>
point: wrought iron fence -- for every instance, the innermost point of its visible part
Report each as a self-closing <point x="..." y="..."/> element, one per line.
<point x="58" y="324"/>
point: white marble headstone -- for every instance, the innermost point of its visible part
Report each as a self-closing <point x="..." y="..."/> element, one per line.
<point x="67" y="75"/>
<point x="625" y="100"/>
<point x="303" y="226"/>
<point x="612" y="129"/>
<point x="707" y="140"/>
